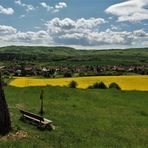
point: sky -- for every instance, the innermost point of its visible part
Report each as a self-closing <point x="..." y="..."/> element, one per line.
<point x="85" y="24"/>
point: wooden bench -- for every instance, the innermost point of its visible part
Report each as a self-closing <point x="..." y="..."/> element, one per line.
<point x="39" y="121"/>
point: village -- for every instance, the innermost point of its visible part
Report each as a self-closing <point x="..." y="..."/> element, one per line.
<point x="72" y="71"/>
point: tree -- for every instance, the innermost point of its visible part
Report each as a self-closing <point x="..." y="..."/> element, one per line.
<point x="73" y="84"/>
<point x="115" y="86"/>
<point x="68" y="75"/>
<point x="5" y="122"/>
<point x="99" y="85"/>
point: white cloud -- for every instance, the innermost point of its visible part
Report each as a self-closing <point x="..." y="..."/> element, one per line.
<point x="130" y="10"/>
<point x="40" y="37"/>
<point x="57" y="25"/>
<point x="140" y="33"/>
<point x="86" y="32"/>
<point x="80" y="32"/>
<point x="107" y="37"/>
<point x="28" y="7"/>
<point x="113" y="27"/>
<point x="54" y="9"/>
<point x="18" y="2"/>
<point x="61" y="5"/>
<point x="44" y="5"/>
<point x="7" y="29"/>
<point x="22" y="16"/>
<point x="7" y="11"/>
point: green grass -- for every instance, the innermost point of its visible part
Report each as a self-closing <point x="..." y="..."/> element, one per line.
<point x="83" y="118"/>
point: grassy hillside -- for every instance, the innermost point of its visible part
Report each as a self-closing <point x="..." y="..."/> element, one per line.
<point x="83" y="118"/>
<point x="68" y="51"/>
<point x="66" y="55"/>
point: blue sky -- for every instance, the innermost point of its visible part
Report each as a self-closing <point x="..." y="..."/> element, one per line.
<point x="80" y="24"/>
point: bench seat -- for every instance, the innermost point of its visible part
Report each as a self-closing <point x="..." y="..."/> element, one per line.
<point x="37" y="120"/>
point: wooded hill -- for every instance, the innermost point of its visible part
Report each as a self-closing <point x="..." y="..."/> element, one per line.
<point x="71" y="56"/>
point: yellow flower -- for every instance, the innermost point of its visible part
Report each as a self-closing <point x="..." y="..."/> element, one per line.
<point x="136" y="82"/>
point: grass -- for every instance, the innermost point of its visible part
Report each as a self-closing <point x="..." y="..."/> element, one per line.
<point x="83" y="118"/>
<point x="134" y="82"/>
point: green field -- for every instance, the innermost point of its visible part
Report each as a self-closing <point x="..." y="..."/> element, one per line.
<point x="83" y="118"/>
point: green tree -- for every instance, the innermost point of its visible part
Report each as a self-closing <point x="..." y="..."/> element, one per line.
<point x="115" y="86"/>
<point x="73" y="84"/>
<point x="99" y="85"/>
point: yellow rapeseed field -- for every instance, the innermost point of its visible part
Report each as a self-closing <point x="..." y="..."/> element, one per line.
<point x="136" y="82"/>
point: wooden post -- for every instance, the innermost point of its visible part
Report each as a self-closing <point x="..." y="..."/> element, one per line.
<point x="41" y="98"/>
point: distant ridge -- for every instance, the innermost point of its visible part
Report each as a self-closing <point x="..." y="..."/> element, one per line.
<point x="68" y="55"/>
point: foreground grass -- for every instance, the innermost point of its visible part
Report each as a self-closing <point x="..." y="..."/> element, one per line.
<point x="136" y="82"/>
<point x="83" y="118"/>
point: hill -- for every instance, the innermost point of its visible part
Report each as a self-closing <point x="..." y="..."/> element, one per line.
<point x="71" y="56"/>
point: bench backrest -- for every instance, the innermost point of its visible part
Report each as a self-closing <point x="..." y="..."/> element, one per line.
<point x="32" y="115"/>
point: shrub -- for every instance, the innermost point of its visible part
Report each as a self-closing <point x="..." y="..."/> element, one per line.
<point x="99" y="85"/>
<point x="73" y="84"/>
<point x="90" y="87"/>
<point x="81" y="74"/>
<point x="114" y="85"/>
<point x="68" y="75"/>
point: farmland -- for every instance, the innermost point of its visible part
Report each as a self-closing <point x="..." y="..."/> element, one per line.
<point x="136" y="82"/>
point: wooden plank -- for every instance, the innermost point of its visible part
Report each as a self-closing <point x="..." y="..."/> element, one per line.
<point x="46" y="121"/>
<point x="34" y="119"/>
<point x="32" y="115"/>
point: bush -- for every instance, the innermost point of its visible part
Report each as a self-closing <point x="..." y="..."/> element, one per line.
<point x="90" y="87"/>
<point x="99" y="85"/>
<point x="81" y="74"/>
<point x="114" y="85"/>
<point x="67" y="75"/>
<point x="73" y="84"/>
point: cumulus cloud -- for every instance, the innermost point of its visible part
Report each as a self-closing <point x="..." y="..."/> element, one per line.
<point x="57" y="25"/>
<point x="107" y="37"/>
<point x="86" y="32"/>
<point x="7" y="11"/>
<point x="28" y="7"/>
<point x="130" y="10"/>
<point x="40" y="37"/>
<point x="80" y="32"/>
<point x="7" y="29"/>
<point x="70" y="31"/>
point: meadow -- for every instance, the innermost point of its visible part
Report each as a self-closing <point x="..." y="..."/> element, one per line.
<point x="133" y="82"/>
<point x="84" y="118"/>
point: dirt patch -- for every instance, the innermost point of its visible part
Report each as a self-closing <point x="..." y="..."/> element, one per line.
<point x="20" y="106"/>
<point x="15" y="136"/>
